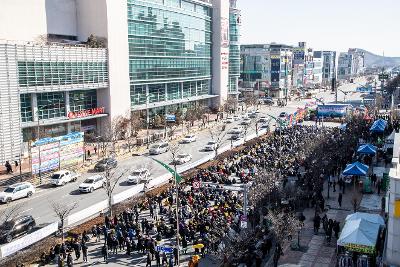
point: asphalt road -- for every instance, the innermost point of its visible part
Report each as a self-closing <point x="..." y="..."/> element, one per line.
<point x="39" y="204"/>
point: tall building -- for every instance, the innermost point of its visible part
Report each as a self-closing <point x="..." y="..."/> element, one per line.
<point x="317" y="68"/>
<point x="234" y="48"/>
<point x="350" y="64"/>
<point x="329" y="67"/>
<point x="148" y="56"/>
<point x="299" y="53"/>
<point x="358" y="64"/>
<point x="309" y="68"/>
<point x="281" y="69"/>
<point x="255" y="67"/>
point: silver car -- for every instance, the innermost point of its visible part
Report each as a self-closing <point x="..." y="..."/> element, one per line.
<point x="159" y="148"/>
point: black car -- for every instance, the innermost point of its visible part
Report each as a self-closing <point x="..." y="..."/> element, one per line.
<point x="16" y="227"/>
<point x="107" y="163"/>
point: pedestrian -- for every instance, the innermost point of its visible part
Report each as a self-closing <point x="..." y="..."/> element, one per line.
<point x="164" y="259"/>
<point x="176" y="255"/>
<point x="104" y="252"/>
<point x="8" y="167"/>
<point x="171" y="261"/>
<point x="383" y="204"/>
<point x="378" y="185"/>
<point x="340" y="199"/>
<point x="77" y="249"/>
<point x="334" y="185"/>
<point x="60" y="260"/>
<point x="336" y="229"/>
<point x="88" y="153"/>
<point x="148" y="260"/>
<point x="158" y="259"/>
<point x="317" y="223"/>
<point x="84" y="252"/>
<point x="70" y="260"/>
<point x="16" y="165"/>
<point x="95" y="150"/>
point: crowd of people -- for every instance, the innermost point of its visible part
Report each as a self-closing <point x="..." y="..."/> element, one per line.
<point x="209" y="218"/>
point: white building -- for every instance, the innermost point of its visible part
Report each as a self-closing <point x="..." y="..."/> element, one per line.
<point x="157" y="56"/>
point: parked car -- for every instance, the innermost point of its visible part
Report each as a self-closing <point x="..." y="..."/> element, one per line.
<point x="107" y="163"/>
<point x="189" y="139"/>
<point x="236" y="130"/>
<point x="63" y="177"/>
<point x="253" y="115"/>
<point x="138" y="176"/>
<point x="263" y="119"/>
<point x="16" y="227"/>
<point x="92" y="183"/>
<point x="210" y="146"/>
<point x="268" y="101"/>
<point x="17" y="191"/>
<point x="159" y="148"/>
<point x="183" y="158"/>
<point x="229" y="120"/>
<point x="283" y="115"/>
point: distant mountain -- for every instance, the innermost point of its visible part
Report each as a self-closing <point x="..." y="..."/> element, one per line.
<point x="372" y="60"/>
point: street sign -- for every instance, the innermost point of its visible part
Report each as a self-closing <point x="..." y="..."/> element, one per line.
<point x="164" y="249"/>
<point x="196" y="184"/>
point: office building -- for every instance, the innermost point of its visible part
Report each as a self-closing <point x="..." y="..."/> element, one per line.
<point x="281" y="69"/>
<point x="255" y="67"/>
<point x="350" y="64"/>
<point x="317" y="68"/>
<point x="329" y="68"/>
<point x="299" y="53"/>
<point x="147" y="56"/>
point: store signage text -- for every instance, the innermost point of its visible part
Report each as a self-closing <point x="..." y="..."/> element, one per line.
<point x="86" y="113"/>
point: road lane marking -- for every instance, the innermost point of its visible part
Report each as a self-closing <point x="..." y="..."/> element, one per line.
<point x="26" y="210"/>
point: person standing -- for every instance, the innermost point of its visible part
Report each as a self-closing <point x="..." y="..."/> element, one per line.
<point x="104" y="252"/>
<point x="340" y="199"/>
<point x="148" y="260"/>
<point x="70" y="260"/>
<point x="84" y="251"/>
<point x="176" y="256"/>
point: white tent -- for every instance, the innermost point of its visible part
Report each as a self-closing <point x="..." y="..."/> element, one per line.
<point x="359" y="232"/>
<point x="373" y="218"/>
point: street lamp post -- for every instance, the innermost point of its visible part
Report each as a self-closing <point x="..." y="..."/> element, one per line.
<point x="147" y="121"/>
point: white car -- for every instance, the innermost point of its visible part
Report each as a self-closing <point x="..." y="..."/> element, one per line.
<point x="17" y="191"/>
<point x="63" y="177"/>
<point x="263" y="119"/>
<point x="246" y="122"/>
<point x="92" y="183"/>
<point x="236" y="117"/>
<point x="159" y="148"/>
<point x="236" y="130"/>
<point x="183" y="158"/>
<point x="189" y="139"/>
<point x="210" y="146"/>
<point x="229" y="120"/>
<point x="138" y="176"/>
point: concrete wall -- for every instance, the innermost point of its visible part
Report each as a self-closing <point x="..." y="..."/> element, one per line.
<point x="220" y="51"/>
<point x="61" y="16"/>
<point x="91" y="20"/>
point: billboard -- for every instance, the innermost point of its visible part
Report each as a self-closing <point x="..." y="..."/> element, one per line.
<point x="332" y="110"/>
<point x="49" y="154"/>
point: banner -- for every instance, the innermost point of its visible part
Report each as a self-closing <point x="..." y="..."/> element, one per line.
<point x="332" y="110"/>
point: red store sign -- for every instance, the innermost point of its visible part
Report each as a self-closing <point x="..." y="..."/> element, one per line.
<point x="86" y="113"/>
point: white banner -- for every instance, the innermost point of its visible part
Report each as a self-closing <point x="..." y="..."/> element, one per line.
<point x="86" y="213"/>
<point x="128" y="193"/>
<point x="28" y="240"/>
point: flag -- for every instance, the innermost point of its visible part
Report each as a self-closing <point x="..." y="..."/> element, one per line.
<point x="168" y="168"/>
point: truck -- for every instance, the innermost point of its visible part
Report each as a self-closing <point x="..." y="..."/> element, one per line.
<point x="63" y="177"/>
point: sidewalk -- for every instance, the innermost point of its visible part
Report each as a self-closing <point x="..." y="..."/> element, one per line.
<point x="317" y="252"/>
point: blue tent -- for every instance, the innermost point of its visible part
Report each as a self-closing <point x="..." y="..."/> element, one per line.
<point x="367" y="149"/>
<point x="356" y="168"/>
<point x="377" y="127"/>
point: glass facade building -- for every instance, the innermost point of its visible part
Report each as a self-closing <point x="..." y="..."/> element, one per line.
<point x="169" y="50"/>
<point x="234" y="48"/>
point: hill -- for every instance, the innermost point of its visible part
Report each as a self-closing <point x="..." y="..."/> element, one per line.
<point x="372" y="60"/>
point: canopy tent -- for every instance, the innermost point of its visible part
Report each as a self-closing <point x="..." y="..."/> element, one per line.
<point x="373" y="218"/>
<point x="378" y="126"/>
<point x="356" y="168"/>
<point x="367" y="149"/>
<point x="359" y="235"/>
<point x="389" y="142"/>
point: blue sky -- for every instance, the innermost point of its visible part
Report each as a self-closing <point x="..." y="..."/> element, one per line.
<point x="324" y="24"/>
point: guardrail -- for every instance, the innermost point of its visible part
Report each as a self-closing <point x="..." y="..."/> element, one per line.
<point x="99" y="207"/>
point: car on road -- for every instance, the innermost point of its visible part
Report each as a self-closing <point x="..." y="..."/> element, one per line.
<point x="104" y="164"/>
<point x="283" y="115"/>
<point x="159" y="148"/>
<point x="246" y="121"/>
<point x="264" y="126"/>
<point x="17" y="191"/>
<point x="236" y="117"/>
<point x="63" y="177"/>
<point x="138" y="176"/>
<point x="210" y="146"/>
<point x="236" y="137"/>
<point x="236" y="130"/>
<point x="263" y="119"/>
<point x="253" y="115"/>
<point x="183" y="158"/>
<point x="16" y="227"/>
<point x="268" y="101"/>
<point x="190" y="138"/>
<point x="229" y="120"/>
<point x="92" y="183"/>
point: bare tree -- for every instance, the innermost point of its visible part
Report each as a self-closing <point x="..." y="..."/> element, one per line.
<point x="251" y="100"/>
<point x="246" y="128"/>
<point x="62" y="211"/>
<point x="10" y="213"/>
<point x="283" y="224"/>
<point x="129" y="128"/>
<point x="111" y="178"/>
<point x="113" y="131"/>
<point x="217" y="135"/>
